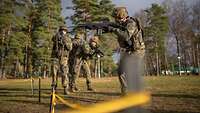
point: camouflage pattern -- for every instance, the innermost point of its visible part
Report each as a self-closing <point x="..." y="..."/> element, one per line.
<point x="62" y="45"/>
<point x="131" y="43"/>
<point x="81" y="53"/>
<point x="86" y="54"/>
<point x="63" y="28"/>
<point x="74" y="71"/>
<point x="120" y="12"/>
<point x="75" y="61"/>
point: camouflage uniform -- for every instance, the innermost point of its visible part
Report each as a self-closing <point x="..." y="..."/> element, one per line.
<point x="83" y="52"/>
<point x="86" y="54"/>
<point x="75" y="61"/>
<point x="132" y="47"/>
<point x="62" y="45"/>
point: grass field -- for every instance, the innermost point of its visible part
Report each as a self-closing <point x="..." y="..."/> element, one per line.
<point x="169" y="94"/>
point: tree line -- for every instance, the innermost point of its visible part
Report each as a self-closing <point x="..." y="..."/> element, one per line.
<point x="171" y="33"/>
<point x="26" y="30"/>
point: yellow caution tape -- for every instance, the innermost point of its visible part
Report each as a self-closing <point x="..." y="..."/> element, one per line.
<point x="130" y="100"/>
<point x="58" y="98"/>
<point x="74" y="106"/>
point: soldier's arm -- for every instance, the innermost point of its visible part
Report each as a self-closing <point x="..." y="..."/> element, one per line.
<point x="86" y="47"/>
<point x="127" y="33"/>
<point x="68" y="43"/>
<point x="76" y="43"/>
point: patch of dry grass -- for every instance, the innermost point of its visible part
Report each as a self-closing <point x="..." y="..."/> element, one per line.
<point x="169" y="94"/>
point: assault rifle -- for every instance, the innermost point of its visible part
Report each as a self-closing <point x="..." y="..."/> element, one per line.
<point x="98" y="52"/>
<point x="101" y="26"/>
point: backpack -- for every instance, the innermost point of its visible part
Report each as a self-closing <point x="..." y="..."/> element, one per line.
<point x="136" y="41"/>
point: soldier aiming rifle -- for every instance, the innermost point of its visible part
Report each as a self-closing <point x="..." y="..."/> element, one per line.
<point x="130" y="38"/>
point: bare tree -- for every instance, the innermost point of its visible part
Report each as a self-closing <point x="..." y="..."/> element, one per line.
<point x="196" y="31"/>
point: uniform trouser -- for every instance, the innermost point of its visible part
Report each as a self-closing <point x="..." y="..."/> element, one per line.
<point x="130" y="71"/>
<point x="75" y="71"/>
<point x="82" y="64"/>
<point x="61" y="65"/>
<point x="87" y="73"/>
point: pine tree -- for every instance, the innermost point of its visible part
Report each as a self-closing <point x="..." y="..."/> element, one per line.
<point x="155" y="33"/>
<point x="105" y="10"/>
<point x="6" y="18"/>
<point x="84" y="11"/>
<point x="97" y="11"/>
<point x="12" y="35"/>
<point x="48" y="18"/>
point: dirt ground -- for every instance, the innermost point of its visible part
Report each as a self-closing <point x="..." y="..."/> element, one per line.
<point x="169" y="94"/>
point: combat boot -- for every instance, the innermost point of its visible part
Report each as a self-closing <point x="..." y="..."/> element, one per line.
<point x="54" y="86"/>
<point x="123" y="91"/>
<point x="65" y="91"/>
<point x="89" y="88"/>
<point x="73" y="88"/>
<point x="76" y="89"/>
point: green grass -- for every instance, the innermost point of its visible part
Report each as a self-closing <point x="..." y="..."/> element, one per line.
<point x="174" y="94"/>
<point x="169" y="94"/>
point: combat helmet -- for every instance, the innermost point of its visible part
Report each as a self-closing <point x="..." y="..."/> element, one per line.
<point x="78" y="35"/>
<point x="63" y="28"/>
<point x="120" y="12"/>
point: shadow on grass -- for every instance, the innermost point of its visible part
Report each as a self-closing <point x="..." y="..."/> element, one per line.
<point x="89" y="100"/>
<point x="177" y="96"/>
<point x="29" y="102"/>
<point x="44" y="103"/>
<point x="23" y="89"/>
<point x="23" y="95"/>
<point x="28" y="98"/>
<point x="103" y="93"/>
<point x="20" y="92"/>
<point x="14" y="89"/>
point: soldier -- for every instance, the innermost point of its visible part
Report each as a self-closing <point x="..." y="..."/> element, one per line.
<point x="132" y="48"/>
<point x="62" y="45"/>
<point x="75" y="60"/>
<point x="86" y="51"/>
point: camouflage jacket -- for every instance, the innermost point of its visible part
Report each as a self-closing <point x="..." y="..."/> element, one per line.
<point x="86" y="51"/>
<point x="82" y="50"/>
<point x="130" y="39"/>
<point x="76" y="49"/>
<point x="62" y="45"/>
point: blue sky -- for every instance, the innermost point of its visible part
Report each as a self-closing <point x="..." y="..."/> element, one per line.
<point x="132" y="6"/>
<point x="135" y="5"/>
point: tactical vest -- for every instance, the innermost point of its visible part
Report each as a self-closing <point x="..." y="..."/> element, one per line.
<point x="134" y="42"/>
<point x="59" y="46"/>
<point x="76" y="48"/>
<point x="86" y="51"/>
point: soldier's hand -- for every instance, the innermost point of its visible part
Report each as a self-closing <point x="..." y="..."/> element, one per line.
<point x="111" y="29"/>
